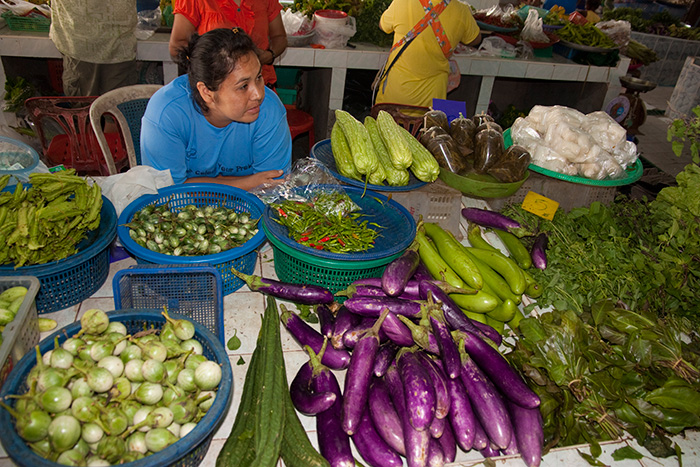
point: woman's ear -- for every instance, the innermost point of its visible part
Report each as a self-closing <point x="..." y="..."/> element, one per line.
<point x="205" y="92"/>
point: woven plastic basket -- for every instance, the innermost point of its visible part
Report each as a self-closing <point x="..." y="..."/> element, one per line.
<point x="296" y="267"/>
<point x="192" y="291"/>
<point x="32" y="22"/>
<point x="242" y="258"/>
<point x="71" y="280"/>
<point x="189" y="451"/>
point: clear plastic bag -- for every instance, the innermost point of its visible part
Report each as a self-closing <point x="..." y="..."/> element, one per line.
<point x="489" y="148"/>
<point x="532" y="31"/>
<point x="619" y="31"/>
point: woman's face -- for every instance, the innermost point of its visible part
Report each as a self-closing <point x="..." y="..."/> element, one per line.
<point x="239" y="96"/>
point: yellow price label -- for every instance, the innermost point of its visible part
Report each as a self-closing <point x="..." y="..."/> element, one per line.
<point x="540" y="205"/>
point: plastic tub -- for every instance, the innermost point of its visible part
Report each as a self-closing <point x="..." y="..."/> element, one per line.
<point x="17" y="159"/>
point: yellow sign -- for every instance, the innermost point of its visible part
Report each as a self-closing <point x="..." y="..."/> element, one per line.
<point x="540" y="205"/>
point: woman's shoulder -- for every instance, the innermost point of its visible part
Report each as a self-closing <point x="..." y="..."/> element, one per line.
<point x="173" y="96"/>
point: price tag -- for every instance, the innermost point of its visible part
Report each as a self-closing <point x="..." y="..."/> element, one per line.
<point x="540" y="205"/>
<point x="57" y="168"/>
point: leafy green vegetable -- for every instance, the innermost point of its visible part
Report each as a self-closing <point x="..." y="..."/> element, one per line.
<point x="686" y="130"/>
<point x="17" y="90"/>
<point x="628" y="452"/>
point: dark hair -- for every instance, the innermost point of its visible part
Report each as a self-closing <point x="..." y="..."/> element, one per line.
<point x="211" y="57"/>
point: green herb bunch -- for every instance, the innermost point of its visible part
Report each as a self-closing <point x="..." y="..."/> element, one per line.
<point x="686" y="130"/>
<point x="645" y="255"/>
<point x="609" y="371"/>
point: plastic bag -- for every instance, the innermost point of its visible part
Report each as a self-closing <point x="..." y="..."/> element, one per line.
<point x="512" y="166"/>
<point x="436" y="118"/>
<point x="445" y="151"/>
<point x="303" y="184"/>
<point x="333" y="36"/>
<point x="462" y="130"/>
<point x="497" y="47"/>
<point x="619" y="31"/>
<point x="121" y="189"/>
<point x="147" y="23"/>
<point x="488" y="150"/>
<point x="532" y="31"/>
<point x="295" y="22"/>
<point x="21" y="8"/>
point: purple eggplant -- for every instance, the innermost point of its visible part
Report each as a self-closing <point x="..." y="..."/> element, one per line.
<point x="437" y="427"/>
<point x="421" y="273"/>
<point x="364" y="290"/>
<point x="373" y="306"/>
<point x="512" y="448"/>
<point x="448" y="349"/>
<point x="495" y="220"/>
<point x="419" y="392"/>
<point x="439" y="379"/>
<point x="397" y="331"/>
<point x="385" y="355"/>
<point x="491" y="450"/>
<point x="481" y="440"/>
<point x="538" y="252"/>
<point x="344" y="320"/>
<point x="306" y="335"/>
<point x="398" y="272"/>
<point x="529" y="435"/>
<point x="333" y="442"/>
<point x="422" y="336"/>
<point x="353" y="335"/>
<point x="461" y="416"/>
<point x="499" y="371"/>
<point x="305" y="400"/>
<point x="358" y="377"/>
<point x="487" y="403"/>
<point x="325" y="319"/>
<point x="372" y="447"/>
<point x="298" y="293"/>
<point x="386" y="420"/>
<point x="436" y="458"/>
<point x="454" y="316"/>
<point x="489" y="332"/>
<point x="448" y="444"/>
<point x="417" y="443"/>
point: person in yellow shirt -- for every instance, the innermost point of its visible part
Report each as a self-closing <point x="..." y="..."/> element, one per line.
<point x="421" y="71"/>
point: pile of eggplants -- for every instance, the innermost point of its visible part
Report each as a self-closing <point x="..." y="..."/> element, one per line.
<point x="422" y="381"/>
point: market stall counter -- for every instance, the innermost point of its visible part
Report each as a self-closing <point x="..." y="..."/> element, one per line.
<point x="243" y="310"/>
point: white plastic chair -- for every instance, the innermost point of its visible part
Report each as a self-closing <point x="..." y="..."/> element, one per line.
<point x="127" y="105"/>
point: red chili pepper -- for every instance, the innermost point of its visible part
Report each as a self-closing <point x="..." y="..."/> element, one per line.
<point x="324" y="239"/>
<point x="303" y="239"/>
<point x="282" y="213"/>
<point x="341" y="242"/>
<point x="319" y="247"/>
<point x="312" y="244"/>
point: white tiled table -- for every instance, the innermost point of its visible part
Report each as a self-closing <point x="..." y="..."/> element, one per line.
<point x="243" y="311"/>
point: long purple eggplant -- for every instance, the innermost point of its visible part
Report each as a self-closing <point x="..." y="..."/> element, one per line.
<point x="372" y="447"/>
<point x="344" y="320"/>
<point x="488" y="332"/>
<point x="437" y="427"/>
<point x="398" y="272"/>
<point x="495" y="220"/>
<point x="421" y="273"/>
<point x="385" y="355"/>
<point x="386" y="420"/>
<point x="305" y="400"/>
<point x="333" y="442"/>
<point x="353" y="335"/>
<point x="481" y="440"/>
<point x="411" y="287"/>
<point x="491" y="450"/>
<point x="454" y="316"/>
<point x="487" y="403"/>
<point x="499" y="371"/>
<point x="436" y="458"/>
<point x="417" y="443"/>
<point x="439" y="379"/>
<point x="512" y="448"/>
<point x="448" y="444"/>
<point x="461" y="416"/>
<point x="306" y="335"/>
<point x="397" y="331"/>
<point x="373" y="306"/>
<point x="529" y="435"/>
<point x="448" y="349"/>
<point x="359" y="375"/>
<point x="298" y="293"/>
<point x="538" y="253"/>
<point x="363" y="290"/>
<point x="419" y="391"/>
<point x="325" y="320"/>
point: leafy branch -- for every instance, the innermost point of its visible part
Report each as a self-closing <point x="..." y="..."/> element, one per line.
<point x="686" y="130"/>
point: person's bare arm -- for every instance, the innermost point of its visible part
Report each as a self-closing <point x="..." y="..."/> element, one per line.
<point x="246" y="182"/>
<point x="476" y="41"/>
<point x="277" y="42"/>
<point x="180" y="34"/>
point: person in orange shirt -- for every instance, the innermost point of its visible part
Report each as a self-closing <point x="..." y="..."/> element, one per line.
<point x="261" y="19"/>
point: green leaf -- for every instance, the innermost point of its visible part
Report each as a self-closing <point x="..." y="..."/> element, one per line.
<point x="240" y="361"/>
<point x="591" y="460"/>
<point x="628" y="452"/>
<point x="234" y="343"/>
<point x="682" y="398"/>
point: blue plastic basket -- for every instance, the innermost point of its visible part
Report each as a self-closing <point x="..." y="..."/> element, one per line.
<point x="71" y="280"/>
<point x="189" y="451"/>
<point x="397" y="233"/>
<point x="195" y="292"/>
<point x="242" y="258"/>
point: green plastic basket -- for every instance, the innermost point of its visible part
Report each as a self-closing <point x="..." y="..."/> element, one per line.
<point x="296" y="267"/>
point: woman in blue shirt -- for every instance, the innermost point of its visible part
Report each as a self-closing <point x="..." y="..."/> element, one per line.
<point x="218" y="123"/>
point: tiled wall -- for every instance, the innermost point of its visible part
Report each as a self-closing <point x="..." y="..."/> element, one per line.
<point x="672" y="53"/>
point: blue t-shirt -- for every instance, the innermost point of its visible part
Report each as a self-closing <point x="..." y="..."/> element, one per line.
<point x="568" y="5"/>
<point x="176" y="136"/>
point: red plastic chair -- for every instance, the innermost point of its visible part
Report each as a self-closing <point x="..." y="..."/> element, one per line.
<point x="300" y="123"/>
<point x="67" y="137"/>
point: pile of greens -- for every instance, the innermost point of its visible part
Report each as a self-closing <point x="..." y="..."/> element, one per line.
<point x="662" y="23"/>
<point x="644" y="255"/>
<point x="608" y="371"/>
